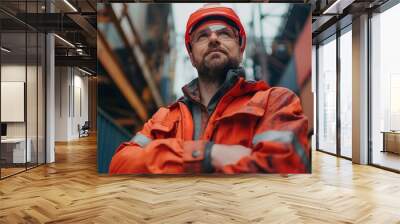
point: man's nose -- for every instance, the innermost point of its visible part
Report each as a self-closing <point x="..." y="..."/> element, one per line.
<point x="213" y="39"/>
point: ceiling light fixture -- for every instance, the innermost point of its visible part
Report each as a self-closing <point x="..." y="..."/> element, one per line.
<point x="5" y="50"/>
<point x="337" y="7"/>
<point x="84" y="71"/>
<point x="329" y="9"/>
<point x="65" y="41"/>
<point x="70" y="5"/>
<point x="79" y="51"/>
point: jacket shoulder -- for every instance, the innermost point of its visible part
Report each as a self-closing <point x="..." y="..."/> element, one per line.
<point x="271" y="95"/>
<point x="161" y="113"/>
<point x="275" y="92"/>
<point x="281" y="90"/>
<point x="282" y="94"/>
<point x="170" y="112"/>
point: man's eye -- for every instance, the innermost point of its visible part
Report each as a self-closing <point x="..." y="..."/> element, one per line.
<point x="201" y="36"/>
<point x="225" y="33"/>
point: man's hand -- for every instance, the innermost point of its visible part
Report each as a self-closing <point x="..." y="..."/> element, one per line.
<point x="222" y="155"/>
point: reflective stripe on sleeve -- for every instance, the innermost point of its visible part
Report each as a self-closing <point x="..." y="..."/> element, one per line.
<point x="287" y="137"/>
<point x="197" y="121"/>
<point x="141" y="139"/>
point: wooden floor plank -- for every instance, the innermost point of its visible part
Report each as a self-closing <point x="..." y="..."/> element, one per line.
<point x="71" y="191"/>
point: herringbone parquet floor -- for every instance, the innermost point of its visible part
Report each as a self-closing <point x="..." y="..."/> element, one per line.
<point x="71" y="191"/>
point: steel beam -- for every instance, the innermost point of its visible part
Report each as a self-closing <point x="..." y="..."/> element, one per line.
<point x="110" y="62"/>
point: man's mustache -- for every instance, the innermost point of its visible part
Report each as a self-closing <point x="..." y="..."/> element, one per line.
<point x="216" y="50"/>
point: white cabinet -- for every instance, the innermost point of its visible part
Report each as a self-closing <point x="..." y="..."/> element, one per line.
<point x="391" y="142"/>
<point x="18" y="149"/>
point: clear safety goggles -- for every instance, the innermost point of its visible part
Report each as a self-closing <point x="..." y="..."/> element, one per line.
<point x="223" y="32"/>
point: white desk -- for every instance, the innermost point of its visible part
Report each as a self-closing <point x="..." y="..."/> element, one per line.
<point x="18" y="150"/>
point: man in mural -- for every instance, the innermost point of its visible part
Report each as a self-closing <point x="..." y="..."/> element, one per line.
<point x="223" y="124"/>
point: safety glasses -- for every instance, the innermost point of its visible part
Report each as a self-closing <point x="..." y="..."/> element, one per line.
<point x="223" y="32"/>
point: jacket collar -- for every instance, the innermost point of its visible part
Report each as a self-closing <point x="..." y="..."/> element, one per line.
<point x="192" y="92"/>
<point x="234" y="83"/>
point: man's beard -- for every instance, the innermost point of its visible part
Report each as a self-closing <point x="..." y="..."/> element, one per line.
<point x="212" y="72"/>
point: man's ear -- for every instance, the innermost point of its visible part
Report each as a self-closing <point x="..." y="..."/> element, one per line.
<point x="241" y="56"/>
<point x="191" y="58"/>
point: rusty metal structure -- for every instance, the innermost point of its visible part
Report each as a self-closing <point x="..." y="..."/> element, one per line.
<point x="133" y="48"/>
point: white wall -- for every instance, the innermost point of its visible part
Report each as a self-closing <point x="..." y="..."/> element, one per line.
<point x="16" y="73"/>
<point x="33" y="126"/>
<point x="71" y="94"/>
<point x="13" y="73"/>
<point x="13" y="101"/>
<point x="61" y="103"/>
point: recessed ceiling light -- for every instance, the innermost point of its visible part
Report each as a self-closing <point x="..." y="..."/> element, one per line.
<point x="65" y="41"/>
<point x="84" y="71"/>
<point x="5" y="50"/>
<point x="70" y="5"/>
<point x="337" y="7"/>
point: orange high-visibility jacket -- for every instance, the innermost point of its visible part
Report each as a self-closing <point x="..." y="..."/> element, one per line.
<point x="270" y="121"/>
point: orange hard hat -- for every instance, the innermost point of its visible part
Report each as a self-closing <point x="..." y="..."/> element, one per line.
<point x="213" y="11"/>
